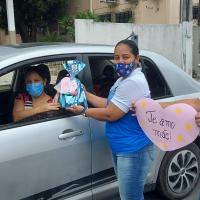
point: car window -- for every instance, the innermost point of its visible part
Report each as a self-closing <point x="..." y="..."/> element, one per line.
<point x="103" y="74"/>
<point x="157" y="84"/>
<point x="6" y="81"/>
<point x="54" y="67"/>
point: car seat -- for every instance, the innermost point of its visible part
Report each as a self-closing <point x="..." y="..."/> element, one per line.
<point x="63" y="73"/>
<point x="106" y="81"/>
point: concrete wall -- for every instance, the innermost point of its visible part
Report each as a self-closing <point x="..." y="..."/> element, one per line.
<point x="172" y="41"/>
<point x="121" y="5"/>
<point x="144" y="12"/>
<point x="158" y="12"/>
<point x="5" y="39"/>
<point x="76" y="6"/>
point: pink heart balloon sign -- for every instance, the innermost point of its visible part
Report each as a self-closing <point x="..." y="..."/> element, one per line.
<point x="168" y="128"/>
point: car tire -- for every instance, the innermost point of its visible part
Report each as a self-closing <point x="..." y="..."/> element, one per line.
<point x="179" y="172"/>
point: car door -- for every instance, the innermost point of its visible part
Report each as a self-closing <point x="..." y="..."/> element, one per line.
<point x="48" y="158"/>
<point x="103" y="180"/>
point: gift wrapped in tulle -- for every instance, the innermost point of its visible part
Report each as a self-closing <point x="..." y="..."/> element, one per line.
<point x="70" y="90"/>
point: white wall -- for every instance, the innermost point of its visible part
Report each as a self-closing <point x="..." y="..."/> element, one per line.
<point x="165" y="39"/>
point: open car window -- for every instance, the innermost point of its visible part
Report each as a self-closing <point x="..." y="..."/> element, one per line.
<point x="6" y="81"/>
<point x="157" y="84"/>
<point x="8" y="98"/>
<point x="103" y="74"/>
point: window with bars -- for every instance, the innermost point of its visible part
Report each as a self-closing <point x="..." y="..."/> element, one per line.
<point x="195" y="12"/>
<point x="124" y="17"/>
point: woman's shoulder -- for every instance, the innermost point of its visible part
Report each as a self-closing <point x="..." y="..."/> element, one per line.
<point x="23" y="96"/>
<point x="47" y="98"/>
<point x="136" y="76"/>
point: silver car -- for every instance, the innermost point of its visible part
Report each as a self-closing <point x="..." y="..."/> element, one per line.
<point x="65" y="156"/>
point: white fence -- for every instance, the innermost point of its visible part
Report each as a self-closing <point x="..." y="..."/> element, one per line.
<point x="171" y="41"/>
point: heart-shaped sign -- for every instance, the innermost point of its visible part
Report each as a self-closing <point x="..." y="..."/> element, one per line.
<point x="168" y="128"/>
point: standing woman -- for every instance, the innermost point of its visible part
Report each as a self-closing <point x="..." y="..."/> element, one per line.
<point x="132" y="151"/>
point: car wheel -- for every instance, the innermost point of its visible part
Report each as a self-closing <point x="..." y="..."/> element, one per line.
<point x="179" y="172"/>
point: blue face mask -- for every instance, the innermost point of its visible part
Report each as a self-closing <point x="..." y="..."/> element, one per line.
<point x="124" y="69"/>
<point x="35" y="89"/>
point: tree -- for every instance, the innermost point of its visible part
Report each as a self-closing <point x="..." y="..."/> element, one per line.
<point x="3" y="16"/>
<point x="34" y="15"/>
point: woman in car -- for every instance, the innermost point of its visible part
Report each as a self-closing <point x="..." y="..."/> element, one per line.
<point x="132" y="151"/>
<point x="34" y="100"/>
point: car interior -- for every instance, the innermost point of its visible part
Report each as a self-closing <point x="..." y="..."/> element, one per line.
<point x="103" y="84"/>
<point x="103" y="74"/>
<point x="9" y="90"/>
<point x="157" y="84"/>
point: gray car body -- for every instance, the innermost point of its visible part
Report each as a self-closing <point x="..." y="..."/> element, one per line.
<point x="35" y="157"/>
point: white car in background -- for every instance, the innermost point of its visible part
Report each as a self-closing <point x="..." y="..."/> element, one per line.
<point x="66" y="156"/>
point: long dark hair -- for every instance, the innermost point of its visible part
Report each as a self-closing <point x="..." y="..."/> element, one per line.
<point x="131" y="44"/>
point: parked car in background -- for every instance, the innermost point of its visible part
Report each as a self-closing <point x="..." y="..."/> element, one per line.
<point x="66" y="156"/>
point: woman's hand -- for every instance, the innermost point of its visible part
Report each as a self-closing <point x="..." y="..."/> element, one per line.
<point x="76" y="109"/>
<point x="197" y="119"/>
<point x="48" y="107"/>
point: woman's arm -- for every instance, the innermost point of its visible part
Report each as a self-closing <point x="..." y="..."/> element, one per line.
<point x="109" y="113"/>
<point x="20" y="113"/>
<point x="97" y="102"/>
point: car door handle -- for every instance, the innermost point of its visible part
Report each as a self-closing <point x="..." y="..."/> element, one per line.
<point x="69" y="133"/>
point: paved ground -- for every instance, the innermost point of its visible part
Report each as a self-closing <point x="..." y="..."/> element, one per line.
<point x="154" y="196"/>
<point x="194" y="195"/>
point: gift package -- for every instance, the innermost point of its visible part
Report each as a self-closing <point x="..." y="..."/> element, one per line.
<point x="70" y="90"/>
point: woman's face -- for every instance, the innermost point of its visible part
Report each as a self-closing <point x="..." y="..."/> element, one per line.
<point x="124" y="55"/>
<point x="34" y="77"/>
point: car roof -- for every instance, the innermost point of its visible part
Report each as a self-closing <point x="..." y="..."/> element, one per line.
<point x="28" y="49"/>
<point x="10" y="54"/>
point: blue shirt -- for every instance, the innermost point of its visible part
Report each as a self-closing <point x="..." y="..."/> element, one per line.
<point x="125" y="134"/>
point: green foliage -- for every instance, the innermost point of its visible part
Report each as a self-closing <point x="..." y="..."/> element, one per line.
<point x="131" y="20"/>
<point x="51" y="37"/>
<point x="67" y="26"/>
<point x="87" y="15"/>
<point x="67" y="22"/>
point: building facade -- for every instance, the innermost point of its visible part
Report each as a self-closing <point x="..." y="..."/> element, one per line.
<point x="136" y="11"/>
